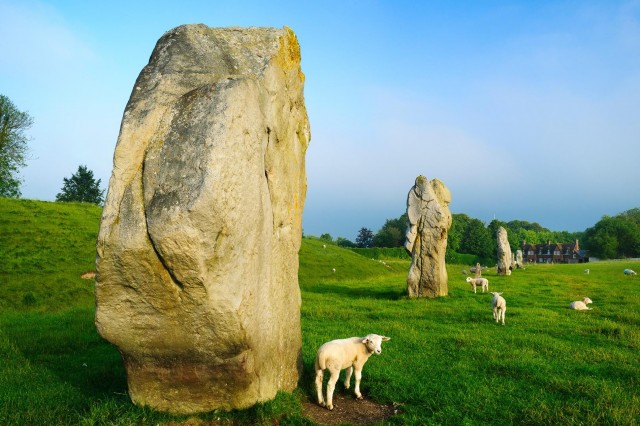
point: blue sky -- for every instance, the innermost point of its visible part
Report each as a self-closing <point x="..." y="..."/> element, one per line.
<point x="525" y="110"/>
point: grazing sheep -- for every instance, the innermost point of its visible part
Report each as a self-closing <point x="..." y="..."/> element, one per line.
<point x="630" y="272"/>
<point x="581" y="305"/>
<point x="586" y="271"/>
<point x="499" y="306"/>
<point x="464" y="271"/>
<point x="336" y="355"/>
<point x="475" y="282"/>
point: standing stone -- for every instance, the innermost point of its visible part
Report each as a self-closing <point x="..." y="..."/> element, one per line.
<point x="429" y="220"/>
<point x="519" y="259"/>
<point x="478" y="270"/>
<point x="197" y="253"/>
<point x="504" y="253"/>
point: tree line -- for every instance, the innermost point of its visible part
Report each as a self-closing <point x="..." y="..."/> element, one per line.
<point x="610" y="238"/>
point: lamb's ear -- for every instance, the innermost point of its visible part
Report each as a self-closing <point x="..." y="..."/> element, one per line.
<point x="365" y="340"/>
<point x="385" y="338"/>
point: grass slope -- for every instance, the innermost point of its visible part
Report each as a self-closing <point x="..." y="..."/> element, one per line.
<point x="447" y="362"/>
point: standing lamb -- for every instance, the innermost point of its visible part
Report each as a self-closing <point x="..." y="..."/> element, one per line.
<point x="351" y="353"/>
<point x="581" y="305"/>
<point x="475" y="282"/>
<point x="499" y="306"/>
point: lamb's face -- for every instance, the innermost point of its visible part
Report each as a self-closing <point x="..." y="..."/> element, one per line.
<point x="586" y="300"/>
<point x="374" y="343"/>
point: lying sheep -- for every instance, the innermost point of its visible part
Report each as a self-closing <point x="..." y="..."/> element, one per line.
<point x="581" y="305"/>
<point x="475" y="282"/>
<point x="336" y="355"/>
<point x="630" y="272"/>
<point x="499" y="306"/>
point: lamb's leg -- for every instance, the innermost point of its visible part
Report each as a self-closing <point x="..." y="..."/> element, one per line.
<point x="358" y="377"/>
<point x="319" y="376"/>
<point x="335" y="374"/>
<point x="495" y="314"/>
<point x="347" y="379"/>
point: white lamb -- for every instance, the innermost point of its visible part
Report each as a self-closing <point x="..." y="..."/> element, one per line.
<point x="499" y="306"/>
<point x="630" y="272"/>
<point x="475" y="282"/>
<point x="336" y="355"/>
<point x="581" y="305"/>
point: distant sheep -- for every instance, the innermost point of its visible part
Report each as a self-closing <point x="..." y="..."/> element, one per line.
<point x="333" y="270"/>
<point x="630" y="272"/>
<point x="586" y="271"/>
<point x="499" y="306"/>
<point x="351" y="353"/>
<point x="476" y="282"/>
<point x="581" y="305"/>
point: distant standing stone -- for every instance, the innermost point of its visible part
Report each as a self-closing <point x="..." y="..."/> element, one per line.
<point x="505" y="257"/>
<point x="429" y="220"/>
<point x="197" y="252"/>
<point x="519" y="259"/>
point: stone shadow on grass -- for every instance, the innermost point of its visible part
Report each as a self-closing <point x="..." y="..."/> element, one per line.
<point x="355" y="292"/>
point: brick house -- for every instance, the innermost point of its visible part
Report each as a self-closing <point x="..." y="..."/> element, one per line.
<point x="554" y="253"/>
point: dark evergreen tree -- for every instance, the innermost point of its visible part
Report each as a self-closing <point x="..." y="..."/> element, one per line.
<point x="81" y="187"/>
<point x="364" y="238"/>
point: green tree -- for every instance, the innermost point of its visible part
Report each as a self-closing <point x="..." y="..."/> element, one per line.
<point x="13" y="146"/>
<point x="459" y="223"/>
<point x="392" y="233"/>
<point x="364" y="238"/>
<point x="326" y="237"/>
<point x="614" y="237"/>
<point x="81" y="187"/>
<point x="343" y="242"/>
<point x="477" y="240"/>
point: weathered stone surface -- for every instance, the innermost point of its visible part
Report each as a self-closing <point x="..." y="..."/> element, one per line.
<point x="197" y="253"/>
<point x="504" y="253"/>
<point x="429" y="220"/>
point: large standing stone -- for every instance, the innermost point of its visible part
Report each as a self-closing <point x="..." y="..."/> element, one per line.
<point x="504" y="253"/>
<point x="429" y="220"/>
<point x="197" y="252"/>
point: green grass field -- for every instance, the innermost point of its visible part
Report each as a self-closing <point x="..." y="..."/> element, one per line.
<point x="447" y="361"/>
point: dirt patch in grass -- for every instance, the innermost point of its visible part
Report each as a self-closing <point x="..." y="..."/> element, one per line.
<point x="346" y="409"/>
